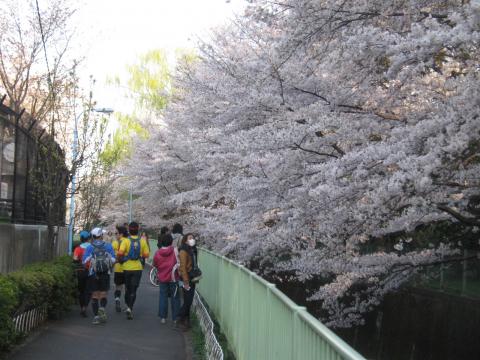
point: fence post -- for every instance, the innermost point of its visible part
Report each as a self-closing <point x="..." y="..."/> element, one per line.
<point x="253" y="333"/>
<point x="269" y="340"/>
<point x="296" y="331"/>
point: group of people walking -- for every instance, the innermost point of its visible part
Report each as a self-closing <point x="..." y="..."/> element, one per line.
<point x="175" y="261"/>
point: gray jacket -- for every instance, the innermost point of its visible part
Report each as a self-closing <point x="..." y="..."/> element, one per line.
<point x="177" y="240"/>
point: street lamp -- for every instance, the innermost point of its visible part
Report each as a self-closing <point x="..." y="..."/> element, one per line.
<point x="74" y="156"/>
<point x="130" y="198"/>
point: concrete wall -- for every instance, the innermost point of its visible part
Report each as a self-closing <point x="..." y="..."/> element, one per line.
<point x="25" y="244"/>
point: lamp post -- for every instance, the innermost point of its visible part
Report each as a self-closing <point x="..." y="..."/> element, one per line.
<point x="74" y="178"/>
<point x="130" y="201"/>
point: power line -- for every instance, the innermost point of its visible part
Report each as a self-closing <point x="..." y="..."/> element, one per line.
<point x="49" y="77"/>
<point x="43" y="42"/>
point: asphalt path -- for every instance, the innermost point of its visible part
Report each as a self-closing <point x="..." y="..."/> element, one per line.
<point x="75" y="338"/>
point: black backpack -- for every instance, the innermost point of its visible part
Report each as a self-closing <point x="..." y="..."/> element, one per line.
<point x="101" y="259"/>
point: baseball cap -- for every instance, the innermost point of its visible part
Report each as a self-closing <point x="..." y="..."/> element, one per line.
<point x="97" y="232"/>
<point x="84" y="234"/>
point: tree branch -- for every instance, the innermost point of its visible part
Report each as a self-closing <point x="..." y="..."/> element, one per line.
<point x="299" y="147"/>
<point x="458" y="216"/>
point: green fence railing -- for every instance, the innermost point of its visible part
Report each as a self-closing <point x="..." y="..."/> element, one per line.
<point x="259" y="321"/>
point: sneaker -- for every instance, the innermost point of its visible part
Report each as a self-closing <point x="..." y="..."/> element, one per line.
<point x="163" y="321"/>
<point x="102" y="315"/>
<point x="83" y="313"/>
<point x="96" y="320"/>
<point x="129" y="314"/>
<point x="117" y="305"/>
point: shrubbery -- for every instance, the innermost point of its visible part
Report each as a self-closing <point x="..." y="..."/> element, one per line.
<point x="50" y="283"/>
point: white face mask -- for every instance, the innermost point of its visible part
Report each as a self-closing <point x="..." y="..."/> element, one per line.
<point x="191" y="242"/>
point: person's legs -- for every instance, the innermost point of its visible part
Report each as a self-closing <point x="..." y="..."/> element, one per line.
<point x="163" y="301"/>
<point x="128" y="286"/>
<point x="187" y="303"/>
<point x="80" y="288"/>
<point x="103" y="299"/>
<point x="119" y="280"/>
<point x="132" y="280"/>
<point x="92" y="288"/>
<point x="135" y="282"/>
<point x="175" y="300"/>
<point x="87" y="294"/>
<point x="83" y="293"/>
<point x="103" y="287"/>
<point x="95" y="307"/>
<point x="131" y="285"/>
<point x="103" y="303"/>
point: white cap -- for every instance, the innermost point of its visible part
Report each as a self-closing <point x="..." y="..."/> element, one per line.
<point x="97" y="232"/>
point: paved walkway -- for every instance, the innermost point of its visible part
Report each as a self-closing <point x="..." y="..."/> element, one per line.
<point x="75" y="338"/>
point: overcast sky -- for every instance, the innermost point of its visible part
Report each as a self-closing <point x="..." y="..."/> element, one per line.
<point x="113" y="33"/>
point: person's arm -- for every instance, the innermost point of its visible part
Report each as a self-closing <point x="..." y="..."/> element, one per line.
<point x="87" y="255"/>
<point x="156" y="260"/>
<point x="115" y="246"/>
<point x="122" y="250"/>
<point x="144" y="249"/>
<point x="111" y="252"/>
<point x="76" y="255"/>
<point x="183" y="255"/>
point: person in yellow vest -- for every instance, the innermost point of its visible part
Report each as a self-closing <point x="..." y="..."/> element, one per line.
<point x="132" y="249"/>
<point x="121" y="235"/>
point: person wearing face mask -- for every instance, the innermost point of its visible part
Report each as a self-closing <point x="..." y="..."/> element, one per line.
<point x="188" y="261"/>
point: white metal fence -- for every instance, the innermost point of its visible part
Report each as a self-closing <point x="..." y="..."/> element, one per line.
<point x="213" y="348"/>
<point x="28" y="320"/>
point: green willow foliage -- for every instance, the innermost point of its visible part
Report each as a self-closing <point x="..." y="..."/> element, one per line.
<point x="120" y="146"/>
<point x="150" y="79"/>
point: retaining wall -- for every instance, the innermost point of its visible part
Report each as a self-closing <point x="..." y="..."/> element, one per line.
<point x="25" y="244"/>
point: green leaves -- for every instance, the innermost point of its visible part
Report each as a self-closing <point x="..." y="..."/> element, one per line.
<point x="51" y="283"/>
<point x="8" y="301"/>
<point x="120" y="145"/>
<point x="151" y="80"/>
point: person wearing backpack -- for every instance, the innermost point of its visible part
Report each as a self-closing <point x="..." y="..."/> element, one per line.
<point x="121" y="234"/>
<point x="189" y="275"/>
<point x="82" y="272"/>
<point x="131" y="251"/>
<point x="166" y="263"/>
<point x="177" y="235"/>
<point x="99" y="258"/>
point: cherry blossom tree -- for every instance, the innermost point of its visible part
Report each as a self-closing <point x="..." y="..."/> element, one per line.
<point x="315" y="139"/>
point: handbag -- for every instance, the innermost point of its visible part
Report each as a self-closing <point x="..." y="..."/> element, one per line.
<point x="195" y="274"/>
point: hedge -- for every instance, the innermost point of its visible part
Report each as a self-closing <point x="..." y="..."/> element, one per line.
<point x="52" y="283"/>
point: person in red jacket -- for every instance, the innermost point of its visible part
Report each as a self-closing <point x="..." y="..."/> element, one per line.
<point x="165" y="260"/>
<point x="82" y="272"/>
